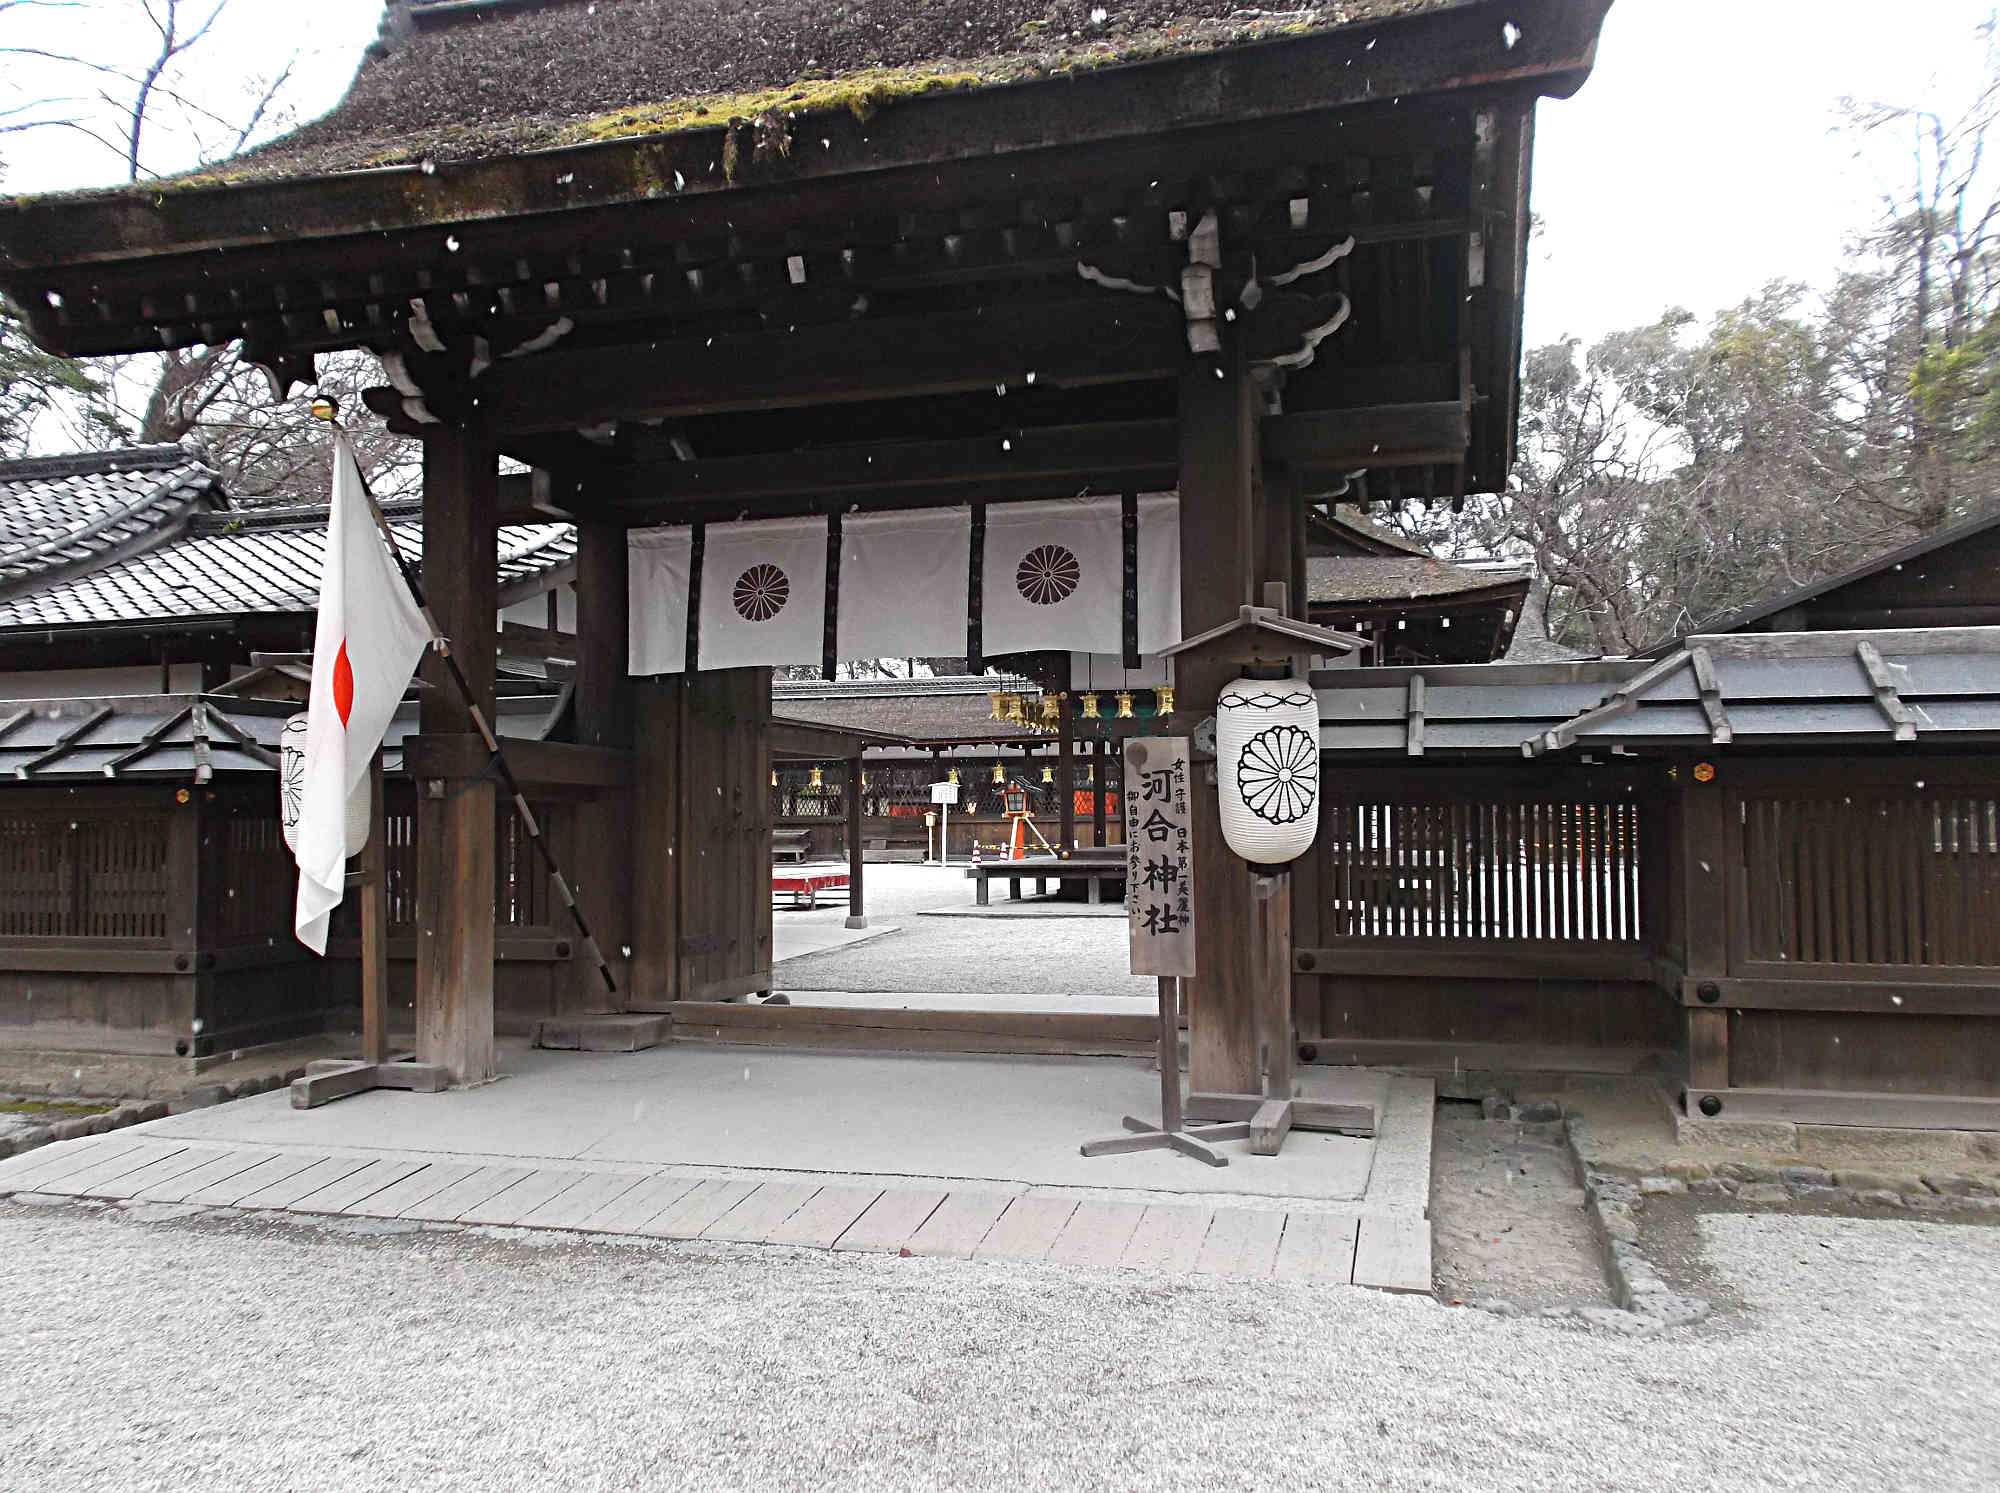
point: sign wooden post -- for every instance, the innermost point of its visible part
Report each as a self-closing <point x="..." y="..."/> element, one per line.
<point x="1159" y="901"/>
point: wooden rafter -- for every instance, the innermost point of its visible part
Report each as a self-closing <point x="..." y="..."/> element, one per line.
<point x="1884" y="686"/>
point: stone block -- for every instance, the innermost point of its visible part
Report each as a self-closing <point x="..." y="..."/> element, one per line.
<point x="1781" y="1136"/>
<point x="1687" y="1170"/>
<point x="205" y="1096"/>
<point x="75" y="1129"/>
<point x="1748" y="1171"/>
<point x="1868" y="1181"/>
<point x="1661" y="1186"/>
<point x="1957" y="1185"/>
<point x="1541" y="1112"/>
<point x="152" y="1109"/>
<point x="1763" y="1192"/>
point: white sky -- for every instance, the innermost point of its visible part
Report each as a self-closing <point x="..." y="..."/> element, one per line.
<point x="1698" y="162"/>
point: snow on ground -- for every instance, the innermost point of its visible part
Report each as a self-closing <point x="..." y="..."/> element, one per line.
<point x="192" y="1355"/>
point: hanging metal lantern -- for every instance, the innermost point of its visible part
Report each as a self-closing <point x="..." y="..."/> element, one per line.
<point x="1051" y="713"/>
<point x="952" y="776"/>
<point x="774" y="777"/>
<point x="1164" y="695"/>
<point x="818" y="778"/>
<point x="999" y="699"/>
<point x="1089" y="698"/>
<point x="1125" y="710"/>
<point x="999" y="773"/>
<point x="1049" y="776"/>
<point x="1267" y="769"/>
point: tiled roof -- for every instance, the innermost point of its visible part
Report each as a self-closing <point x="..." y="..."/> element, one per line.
<point x="1334" y="579"/>
<point x="190" y="738"/>
<point x="230" y="564"/>
<point x="1937" y="686"/>
<point x="955" y="708"/>
<point x="67" y="515"/>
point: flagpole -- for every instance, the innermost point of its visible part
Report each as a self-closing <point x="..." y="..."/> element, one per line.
<point x="329" y="410"/>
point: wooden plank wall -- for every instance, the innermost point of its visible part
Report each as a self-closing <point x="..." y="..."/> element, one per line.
<point x="1455" y="907"/>
<point x="701" y="838"/>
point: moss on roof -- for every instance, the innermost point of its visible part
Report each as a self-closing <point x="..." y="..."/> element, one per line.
<point x="479" y="81"/>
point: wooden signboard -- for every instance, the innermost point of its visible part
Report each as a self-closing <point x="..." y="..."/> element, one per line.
<point x="1159" y="855"/>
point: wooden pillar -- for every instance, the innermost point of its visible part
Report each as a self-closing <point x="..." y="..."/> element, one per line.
<point x="1224" y="552"/>
<point x="602" y="863"/>
<point x="654" y="974"/>
<point x="1066" y="777"/>
<point x="1704" y="854"/>
<point x="1099" y="785"/>
<point x="857" y="914"/>
<point x="374" y="891"/>
<point x="455" y="850"/>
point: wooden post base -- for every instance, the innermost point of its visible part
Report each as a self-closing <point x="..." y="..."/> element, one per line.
<point x="327" y="1081"/>
<point x="1301" y="1114"/>
<point x="1146" y="1136"/>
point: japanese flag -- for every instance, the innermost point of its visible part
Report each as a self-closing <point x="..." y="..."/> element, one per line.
<point x="369" y="639"/>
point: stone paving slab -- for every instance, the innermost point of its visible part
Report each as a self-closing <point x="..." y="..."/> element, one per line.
<point x="1076" y="1228"/>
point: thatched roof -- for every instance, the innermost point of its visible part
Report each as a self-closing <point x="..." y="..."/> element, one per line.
<point x="470" y="79"/>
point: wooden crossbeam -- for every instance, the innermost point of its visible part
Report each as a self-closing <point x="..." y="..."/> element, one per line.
<point x="1087" y="340"/>
<point x="1032" y="462"/>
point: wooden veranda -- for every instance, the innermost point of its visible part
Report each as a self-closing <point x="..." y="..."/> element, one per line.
<point x="959" y="296"/>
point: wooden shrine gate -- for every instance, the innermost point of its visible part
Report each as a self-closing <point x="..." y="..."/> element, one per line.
<point x="956" y="299"/>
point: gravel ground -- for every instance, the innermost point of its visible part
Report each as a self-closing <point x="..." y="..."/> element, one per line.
<point x="196" y="1354"/>
<point x="962" y="956"/>
<point x="1507" y="1217"/>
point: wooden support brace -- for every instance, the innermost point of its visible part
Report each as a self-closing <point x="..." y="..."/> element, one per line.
<point x="1269" y="1127"/>
<point x="1719" y="731"/>
<point x="327" y="1081"/>
<point x="1886" y="699"/>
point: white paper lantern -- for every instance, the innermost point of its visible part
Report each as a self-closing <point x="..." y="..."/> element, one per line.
<point x="291" y="790"/>
<point x="1267" y="768"/>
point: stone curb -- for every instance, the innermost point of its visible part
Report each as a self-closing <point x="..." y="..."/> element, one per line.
<point x="136" y="1111"/>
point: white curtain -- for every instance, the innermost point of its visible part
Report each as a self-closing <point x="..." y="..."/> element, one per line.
<point x="657" y="562"/>
<point x="1054" y="576"/>
<point x="763" y="593"/>
<point x="902" y="583"/>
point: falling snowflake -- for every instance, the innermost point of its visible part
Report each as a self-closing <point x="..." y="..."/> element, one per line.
<point x="1048" y="574"/>
<point x="1279" y="774"/>
<point x="761" y="593"/>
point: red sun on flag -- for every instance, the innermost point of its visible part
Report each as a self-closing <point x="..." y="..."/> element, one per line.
<point x="343" y="683"/>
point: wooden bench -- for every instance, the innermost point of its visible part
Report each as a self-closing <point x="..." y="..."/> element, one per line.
<point x="1042" y="870"/>
<point x="790" y="844"/>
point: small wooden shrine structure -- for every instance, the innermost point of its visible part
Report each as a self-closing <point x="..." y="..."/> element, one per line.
<point x="998" y="251"/>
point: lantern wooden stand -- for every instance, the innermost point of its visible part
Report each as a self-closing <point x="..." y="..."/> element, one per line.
<point x="1274" y="647"/>
<point x="1014" y="801"/>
